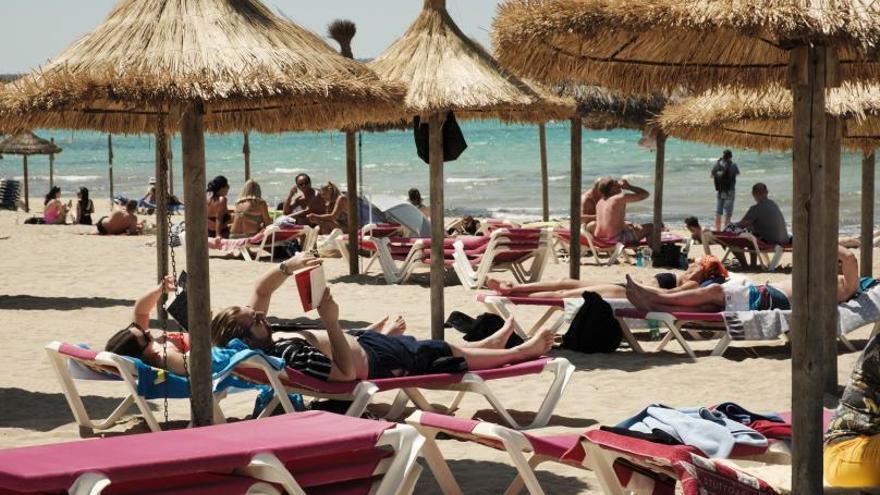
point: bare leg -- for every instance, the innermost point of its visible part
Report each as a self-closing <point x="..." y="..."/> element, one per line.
<point x="610" y="291"/>
<point x="510" y="289"/>
<point x="378" y="324"/>
<point x="709" y="298"/>
<point x="497" y="340"/>
<point x="643" y="231"/>
<point x="480" y="359"/>
<point x="397" y="326"/>
<point x="717" y="222"/>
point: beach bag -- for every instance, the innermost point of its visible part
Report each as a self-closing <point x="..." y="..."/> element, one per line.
<point x="453" y="139"/>
<point x="668" y="256"/>
<point x="593" y="328"/>
<point x="178" y="307"/>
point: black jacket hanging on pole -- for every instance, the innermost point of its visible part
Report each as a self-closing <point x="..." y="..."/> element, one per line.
<point x="453" y="139"/>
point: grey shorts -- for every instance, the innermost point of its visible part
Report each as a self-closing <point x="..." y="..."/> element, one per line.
<point x="724" y="203"/>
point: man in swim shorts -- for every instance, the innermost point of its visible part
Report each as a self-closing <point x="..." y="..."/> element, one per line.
<point x="611" y="221"/>
<point x="337" y="355"/>
<point x="121" y="221"/>
<point x="739" y="294"/>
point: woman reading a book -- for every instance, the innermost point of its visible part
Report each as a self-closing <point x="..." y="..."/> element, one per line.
<point x="337" y="355"/>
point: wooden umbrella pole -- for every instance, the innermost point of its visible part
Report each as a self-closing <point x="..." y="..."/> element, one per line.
<point x="161" y="200"/>
<point x="351" y="185"/>
<point x="866" y="249"/>
<point x="27" y="195"/>
<point x="52" y="167"/>
<point x="545" y="190"/>
<point x="438" y="268"/>
<point x="199" y="301"/>
<point x="246" y="150"/>
<point x="831" y="229"/>
<point x="574" y="251"/>
<point x="110" y="166"/>
<point x="168" y="142"/>
<point x="807" y="82"/>
<point x="659" y="169"/>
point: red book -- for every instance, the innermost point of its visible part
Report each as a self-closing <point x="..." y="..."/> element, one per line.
<point x="311" y="284"/>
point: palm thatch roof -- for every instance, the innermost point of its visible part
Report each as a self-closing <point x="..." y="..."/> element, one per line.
<point x="648" y="45"/>
<point x="28" y="143"/>
<point x="443" y="70"/>
<point x="602" y="108"/>
<point x="761" y="120"/>
<point x="249" y="68"/>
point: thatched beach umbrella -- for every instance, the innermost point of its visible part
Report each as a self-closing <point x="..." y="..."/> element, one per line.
<point x="27" y="144"/>
<point x="444" y="71"/>
<point x="190" y="66"/>
<point x="698" y="44"/>
<point x="762" y="120"/>
<point x="602" y="109"/>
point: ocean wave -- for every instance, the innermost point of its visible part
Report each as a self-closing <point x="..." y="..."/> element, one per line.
<point x="600" y="140"/>
<point x="67" y="178"/>
<point x="282" y="170"/>
<point x="555" y="178"/>
<point x="472" y="180"/>
<point x="371" y="165"/>
<point x="635" y="176"/>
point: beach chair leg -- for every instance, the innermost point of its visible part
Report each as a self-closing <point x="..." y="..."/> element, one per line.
<point x="664" y="342"/>
<point x="437" y="464"/>
<point x="453" y="406"/>
<point x="846" y="343"/>
<point x="407" y="443"/>
<point x="89" y="484"/>
<point x="267" y="467"/>
<point x="722" y="345"/>
<point x="618" y="251"/>
<point x="262" y="489"/>
<point x="602" y="464"/>
<point x="219" y="417"/>
<point x="418" y="399"/>
<point x="397" y="406"/>
<point x="519" y="482"/>
<point x="630" y="338"/>
<point x="525" y="472"/>
<point x="500" y="307"/>
<point x="363" y="394"/>
<point x="675" y="328"/>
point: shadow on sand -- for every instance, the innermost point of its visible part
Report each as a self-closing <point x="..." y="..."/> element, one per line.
<point x="494" y="477"/>
<point x="39" y="303"/>
<point x="40" y="411"/>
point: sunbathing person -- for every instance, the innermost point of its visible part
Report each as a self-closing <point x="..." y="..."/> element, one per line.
<point x="156" y="348"/>
<point x="121" y="221"/>
<point x="703" y="271"/>
<point x="611" y="221"/>
<point x="335" y="355"/>
<point x="251" y="213"/>
<point x="852" y="442"/>
<point x="739" y="294"/>
<point x="54" y="211"/>
<point x="218" y="215"/>
<point x="336" y="206"/>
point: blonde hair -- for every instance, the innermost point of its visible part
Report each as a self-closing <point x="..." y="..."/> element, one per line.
<point x="224" y="327"/>
<point x="334" y="190"/>
<point x="250" y="192"/>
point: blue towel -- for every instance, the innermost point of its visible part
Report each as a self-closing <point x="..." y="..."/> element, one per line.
<point x="713" y="433"/>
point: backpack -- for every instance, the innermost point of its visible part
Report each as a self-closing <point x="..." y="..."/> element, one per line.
<point x="594" y="328"/>
<point x="723" y="175"/>
<point x="668" y="256"/>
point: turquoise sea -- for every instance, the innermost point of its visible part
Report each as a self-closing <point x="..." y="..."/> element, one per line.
<point x="498" y="175"/>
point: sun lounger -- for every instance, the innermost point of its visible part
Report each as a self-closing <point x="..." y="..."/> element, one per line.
<point x="740" y="243"/>
<point x="581" y="450"/>
<point x="361" y="392"/>
<point x="264" y="242"/>
<point x="337" y="240"/>
<point x="611" y="250"/>
<point x="313" y="451"/>
<point x="507" y="249"/>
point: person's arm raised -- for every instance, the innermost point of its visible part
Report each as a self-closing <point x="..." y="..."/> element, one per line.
<point x="638" y="193"/>
<point x="848" y="279"/>
<point x="145" y="305"/>
<point x="288" y="203"/>
<point x="272" y="279"/>
<point x="343" y="367"/>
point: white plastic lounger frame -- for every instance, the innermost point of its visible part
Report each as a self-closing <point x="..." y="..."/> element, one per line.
<point x="267" y="246"/>
<point x="501" y="306"/>
<point x="674" y="327"/>
<point x="475" y="279"/>
<point x="515" y="444"/>
<point x="767" y="263"/>
<point x="612" y="253"/>
<point x="124" y="369"/>
<point x="363" y="393"/>
<point x="394" y="273"/>
<point x="92" y="483"/>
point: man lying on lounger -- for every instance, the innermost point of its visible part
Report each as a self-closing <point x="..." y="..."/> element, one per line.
<point x="707" y="270"/>
<point x="337" y="355"/>
<point x="739" y="294"/>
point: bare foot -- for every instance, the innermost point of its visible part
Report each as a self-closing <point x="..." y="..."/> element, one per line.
<point x="498" y="339"/>
<point x="394" y="327"/>
<point x="637" y="295"/>
<point x="499" y="286"/>
<point x="378" y="324"/>
<point x="538" y="344"/>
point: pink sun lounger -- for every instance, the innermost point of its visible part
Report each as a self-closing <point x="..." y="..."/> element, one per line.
<point x="612" y="250"/>
<point x="769" y="255"/>
<point x="313" y="451"/>
<point x="264" y="242"/>
<point x="649" y="468"/>
<point x="507" y="249"/>
<point x="361" y="392"/>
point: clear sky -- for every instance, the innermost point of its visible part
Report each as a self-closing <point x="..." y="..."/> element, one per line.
<point x="34" y="31"/>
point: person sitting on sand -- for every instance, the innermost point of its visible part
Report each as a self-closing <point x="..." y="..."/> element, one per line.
<point x="611" y="221"/>
<point x="218" y="212"/>
<point x="702" y="272"/>
<point x="739" y="294"/>
<point x="137" y="340"/>
<point x="852" y="442"/>
<point x="84" y="207"/>
<point x="121" y="221"/>
<point x="251" y="213"/>
<point x="336" y="205"/>
<point x="335" y="355"/>
<point x="54" y="211"/>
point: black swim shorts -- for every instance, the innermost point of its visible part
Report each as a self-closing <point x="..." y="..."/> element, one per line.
<point x="401" y="355"/>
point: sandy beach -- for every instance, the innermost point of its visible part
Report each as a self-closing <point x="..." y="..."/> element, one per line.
<point x="68" y="284"/>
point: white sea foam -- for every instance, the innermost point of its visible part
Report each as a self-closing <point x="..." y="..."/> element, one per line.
<point x="635" y="177"/>
<point x="472" y="180"/>
<point x="67" y="178"/>
<point x="600" y="140"/>
<point x="282" y="170"/>
<point x="555" y="178"/>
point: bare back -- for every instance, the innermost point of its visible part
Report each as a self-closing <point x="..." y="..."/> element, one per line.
<point x="610" y="216"/>
<point x="120" y="222"/>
